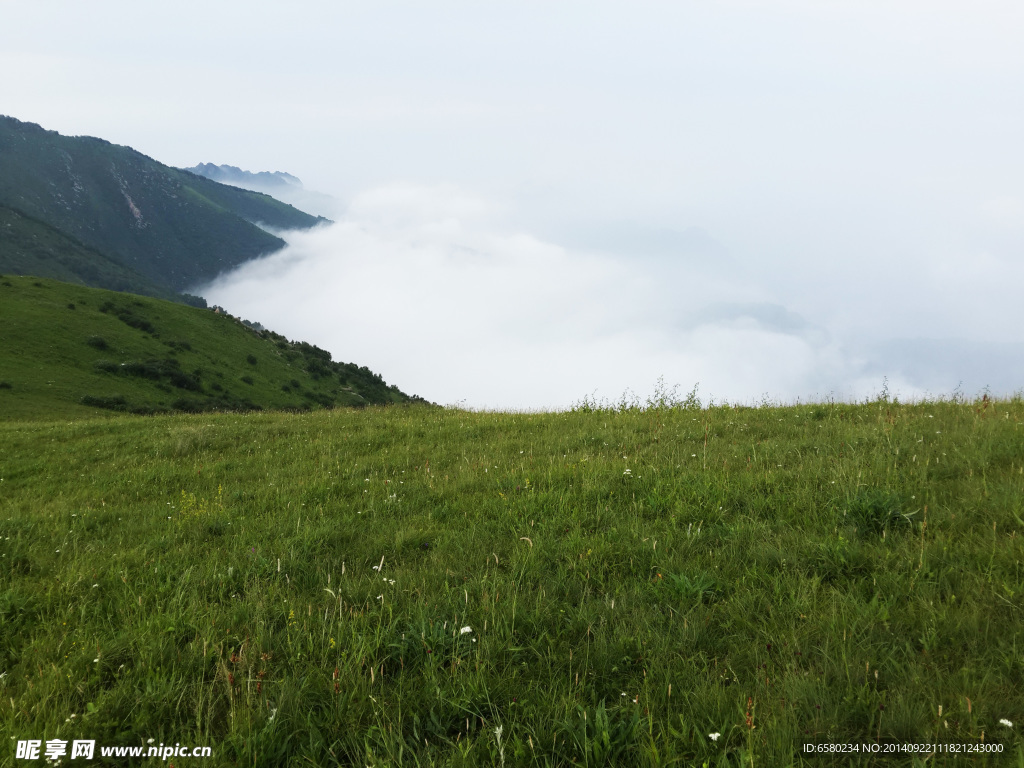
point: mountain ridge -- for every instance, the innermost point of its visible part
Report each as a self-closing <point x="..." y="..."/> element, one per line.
<point x="169" y="227"/>
<point x="228" y="174"/>
<point x="278" y="184"/>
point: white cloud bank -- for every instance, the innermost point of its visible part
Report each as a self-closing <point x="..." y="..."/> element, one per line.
<point x="425" y="286"/>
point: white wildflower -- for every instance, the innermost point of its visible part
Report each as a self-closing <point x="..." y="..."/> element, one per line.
<point x="1006" y="722"/>
<point x="465" y="630"/>
<point x="714" y="736"/>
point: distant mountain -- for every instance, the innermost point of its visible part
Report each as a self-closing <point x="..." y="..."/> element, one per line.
<point x="148" y="224"/>
<point x="68" y="350"/>
<point x="278" y="184"/>
<point x="230" y="174"/>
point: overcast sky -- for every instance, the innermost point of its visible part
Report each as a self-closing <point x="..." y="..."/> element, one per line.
<point x="538" y="202"/>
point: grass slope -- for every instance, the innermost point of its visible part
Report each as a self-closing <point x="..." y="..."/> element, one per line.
<point x="67" y="350"/>
<point x="32" y="247"/>
<point x="169" y="226"/>
<point x="295" y="589"/>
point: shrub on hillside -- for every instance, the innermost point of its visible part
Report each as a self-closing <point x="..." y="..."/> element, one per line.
<point x="167" y="369"/>
<point x="192" y="301"/>
<point x="110" y="402"/>
<point x="127" y="316"/>
<point x="147" y="410"/>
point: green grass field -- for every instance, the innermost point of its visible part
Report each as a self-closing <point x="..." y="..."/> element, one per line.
<point x="295" y="589"/>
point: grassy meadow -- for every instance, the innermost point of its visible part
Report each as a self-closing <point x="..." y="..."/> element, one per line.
<point x="409" y="585"/>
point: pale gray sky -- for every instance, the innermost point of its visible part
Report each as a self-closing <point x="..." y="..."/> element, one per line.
<point x="538" y="201"/>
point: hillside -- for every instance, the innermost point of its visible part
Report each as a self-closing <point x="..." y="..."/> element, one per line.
<point x="168" y="227"/>
<point x="69" y="350"/>
<point x="31" y="247"/>
<point x="670" y="586"/>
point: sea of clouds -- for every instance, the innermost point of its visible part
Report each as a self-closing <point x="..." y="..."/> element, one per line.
<point x="430" y="286"/>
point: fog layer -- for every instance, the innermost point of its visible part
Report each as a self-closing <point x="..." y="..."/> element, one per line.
<point x="430" y="287"/>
